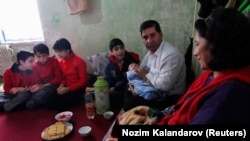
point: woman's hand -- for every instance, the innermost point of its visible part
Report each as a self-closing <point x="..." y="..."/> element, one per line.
<point x="111" y="139"/>
<point x="151" y="121"/>
<point x="136" y="115"/>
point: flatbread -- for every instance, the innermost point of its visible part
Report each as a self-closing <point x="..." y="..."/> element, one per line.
<point x="55" y="131"/>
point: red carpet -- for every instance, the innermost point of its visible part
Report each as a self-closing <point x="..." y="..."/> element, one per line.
<point x="27" y="125"/>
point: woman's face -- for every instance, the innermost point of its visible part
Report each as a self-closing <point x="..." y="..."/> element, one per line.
<point x="201" y="51"/>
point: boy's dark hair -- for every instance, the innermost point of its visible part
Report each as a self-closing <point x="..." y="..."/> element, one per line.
<point x="150" y="23"/>
<point x="41" y="48"/>
<point x="115" y="42"/>
<point x="62" y="44"/>
<point x="23" y="55"/>
<point x="227" y="30"/>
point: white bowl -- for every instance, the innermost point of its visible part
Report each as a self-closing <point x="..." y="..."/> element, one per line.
<point x="64" y="116"/>
<point x="84" y="131"/>
<point x="108" y="114"/>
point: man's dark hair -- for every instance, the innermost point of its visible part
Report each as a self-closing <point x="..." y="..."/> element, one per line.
<point x="62" y="44"/>
<point x="41" y="48"/>
<point x="150" y="23"/>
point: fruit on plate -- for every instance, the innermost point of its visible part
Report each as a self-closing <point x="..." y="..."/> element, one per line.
<point x="64" y="116"/>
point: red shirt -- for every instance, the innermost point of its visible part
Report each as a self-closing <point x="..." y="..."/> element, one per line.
<point x="13" y="77"/>
<point x="74" y="71"/>
<point x="49" y="72"/>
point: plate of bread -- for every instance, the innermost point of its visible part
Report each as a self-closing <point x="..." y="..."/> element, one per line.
<point x="57" y="130"/>
<point x="136" y="116"/>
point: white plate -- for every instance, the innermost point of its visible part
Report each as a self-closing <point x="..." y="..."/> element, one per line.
<point x="69" y="128"/>
<point x="64" y="116"/>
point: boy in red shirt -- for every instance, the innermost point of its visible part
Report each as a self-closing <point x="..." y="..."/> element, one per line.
<point x="74" y="71"/>
<point x="20" y="81"/>
<point x="50" y="77"/>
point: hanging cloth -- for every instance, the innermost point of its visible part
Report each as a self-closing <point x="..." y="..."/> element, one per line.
<point x="76" y="6"/>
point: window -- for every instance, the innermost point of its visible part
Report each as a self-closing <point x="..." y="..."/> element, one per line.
<point x="20" y="21"/>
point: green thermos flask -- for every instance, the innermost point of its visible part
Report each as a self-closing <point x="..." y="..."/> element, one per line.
<point x="101" y="88"/>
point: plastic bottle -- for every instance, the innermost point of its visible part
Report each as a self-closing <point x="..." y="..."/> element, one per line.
<point x="89" y="105"/>
<point x="101" y="89"/>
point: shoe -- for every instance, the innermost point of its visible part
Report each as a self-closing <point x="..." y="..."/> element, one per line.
<point x="15" y="102"/>
<point x="10" y="105"/>
<point x="1" y="106"/>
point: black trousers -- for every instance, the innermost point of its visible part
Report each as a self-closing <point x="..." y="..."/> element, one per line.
<point x="131" y="101"/>
<point x="116" y="101"/>
<point x="68" y="100"/>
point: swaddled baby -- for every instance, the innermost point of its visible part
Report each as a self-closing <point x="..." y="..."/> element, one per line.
<point x="140" y="86"/>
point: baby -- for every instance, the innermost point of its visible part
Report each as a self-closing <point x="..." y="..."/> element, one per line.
<point x="140" y="86"/>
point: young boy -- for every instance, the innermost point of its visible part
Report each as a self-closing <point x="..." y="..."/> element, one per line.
<point x="20" y="81"/>
<point x="74" y="71"/>
<point x="50" y="77"/>
<point x="115" y="71"/>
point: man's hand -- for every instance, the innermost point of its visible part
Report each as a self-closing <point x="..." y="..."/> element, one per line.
<point x="131" y="88"/>
<point x="15" y="90"/>
<point x="112" y="90"/>
<point x="36" y="88"/>
<point x="141" y="72"/>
